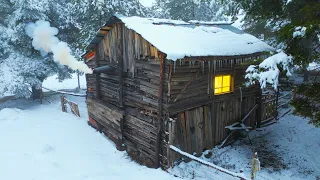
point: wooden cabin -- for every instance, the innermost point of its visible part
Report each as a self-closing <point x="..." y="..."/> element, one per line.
<point x="171" y="83"/>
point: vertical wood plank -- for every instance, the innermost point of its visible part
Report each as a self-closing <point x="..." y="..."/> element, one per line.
<point x="208" y="128"/>
<point x="188" y="133"/>
<point x="201" y="129"/>
<point x="192" y="130"/>
<point x="217" y="113"/>
<point x="183" y="142"/>
<point x="196" y="126"/>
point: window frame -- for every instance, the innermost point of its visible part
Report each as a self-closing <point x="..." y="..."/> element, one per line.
<point x="231" y="84"/>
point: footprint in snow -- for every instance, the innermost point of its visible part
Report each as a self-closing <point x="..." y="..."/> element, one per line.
<point x="47" y="149"/>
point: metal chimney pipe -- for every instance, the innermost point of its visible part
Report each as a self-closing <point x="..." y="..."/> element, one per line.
<point x="102" y="69"/>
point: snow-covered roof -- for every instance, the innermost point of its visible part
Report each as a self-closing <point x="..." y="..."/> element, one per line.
<point x="179" y="39"/>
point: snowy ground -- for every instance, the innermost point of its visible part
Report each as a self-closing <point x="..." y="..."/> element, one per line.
<point x="288" y="150"/>
<point x="40" y="142"/>
<point x="53" y="83"/>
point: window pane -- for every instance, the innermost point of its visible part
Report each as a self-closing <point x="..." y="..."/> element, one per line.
<point x="217" y="91"/>
<point x="218" y="82"/>
<point x="225" y="89"/>
<point x="226" y="81"/>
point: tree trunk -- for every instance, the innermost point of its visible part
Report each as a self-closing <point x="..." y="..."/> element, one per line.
<point x="305" y="76"/>
<point x="36" y="92"/>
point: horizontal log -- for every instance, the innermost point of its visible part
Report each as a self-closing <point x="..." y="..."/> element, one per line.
<point x="187" y="104"/>
<point x="136" y="113"/>
<point x="104" y="122"/>
<point x="144" y="134"/>
<point x="141" y="143"/>
<point x="148" y="66"/>
<point x="131" y="103"/>
<point x="141" y="123"/>
<point x="135" y="148"/>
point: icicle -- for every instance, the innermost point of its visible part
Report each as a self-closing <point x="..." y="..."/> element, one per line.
<point x="209" y="65"/>
<point x="193" y="62"/>
<point x="174" y="67"/>
<point x="180" y="62"/>
<point x="202" y="67"/>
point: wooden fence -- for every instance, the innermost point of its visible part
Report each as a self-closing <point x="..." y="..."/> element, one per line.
<point x="73" y="106"/>
<point x="268" y="107"/>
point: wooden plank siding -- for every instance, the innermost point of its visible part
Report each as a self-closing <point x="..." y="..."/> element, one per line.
<point x="148" y="102"/>
<point x="132" y="87"/>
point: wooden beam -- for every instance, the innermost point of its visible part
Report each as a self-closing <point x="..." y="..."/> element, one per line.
<point x="194" y="76"/>
<point x="160" y="94"/>
<point x="254" y="108"/>
<point x="120" y="61"/>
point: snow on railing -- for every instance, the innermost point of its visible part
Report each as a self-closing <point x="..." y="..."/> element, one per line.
<point x="63" y="92"/>
<point x="238" y="175"/>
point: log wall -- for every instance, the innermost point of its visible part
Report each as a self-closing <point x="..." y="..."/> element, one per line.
<point x="197" y="117"/>
<point x="131" y="107"/>
<point x="130" y="88"/>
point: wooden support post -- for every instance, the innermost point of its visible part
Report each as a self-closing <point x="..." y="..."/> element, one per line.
<point x="120" y="61"/>
<point x="120" y="44"/>
<point x="160" y="94"/>
<point x="213" y="115"/>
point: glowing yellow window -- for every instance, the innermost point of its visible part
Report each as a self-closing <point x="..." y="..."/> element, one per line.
<point x="222" y="84"/>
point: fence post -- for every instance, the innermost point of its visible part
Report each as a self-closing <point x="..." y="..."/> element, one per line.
<point x="277" y="102"/>
<point x="63" y="103"/>
<point x="259" y="102"/>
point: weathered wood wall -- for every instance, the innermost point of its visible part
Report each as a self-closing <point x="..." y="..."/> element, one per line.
<point x="198" y="118"/>
<point x="132" y="109"/>
<point x="131" y="88"/>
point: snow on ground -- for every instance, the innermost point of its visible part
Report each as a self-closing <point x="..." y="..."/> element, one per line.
<point x="53" y="83"/>
<point x="41" y="142"/>
<point x="288" y="150"/>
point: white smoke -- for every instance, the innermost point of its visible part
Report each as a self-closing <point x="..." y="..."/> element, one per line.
<point x="44" y="39"/>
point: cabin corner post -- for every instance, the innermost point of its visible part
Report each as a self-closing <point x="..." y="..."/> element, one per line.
<point x="119" y="55"/>
<point x="120" y="62"/>
<point x="160" y="97"/>
<point x="211" y="90"/>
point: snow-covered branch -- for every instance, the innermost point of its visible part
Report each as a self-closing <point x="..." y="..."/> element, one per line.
<point x="268" y="71"/>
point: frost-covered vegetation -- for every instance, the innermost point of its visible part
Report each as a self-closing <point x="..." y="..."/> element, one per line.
<point x="21" y="66"/>
<point x="291" y="26"/>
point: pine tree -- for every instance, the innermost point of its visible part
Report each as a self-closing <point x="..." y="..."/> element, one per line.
<point x="293" y="26"/>
<point x="23" y="66"/>
<point x="92" y="14"/>
<point x="201" y="10"/>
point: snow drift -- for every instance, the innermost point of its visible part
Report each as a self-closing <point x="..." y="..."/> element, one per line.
<point x="44" y="39"/>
